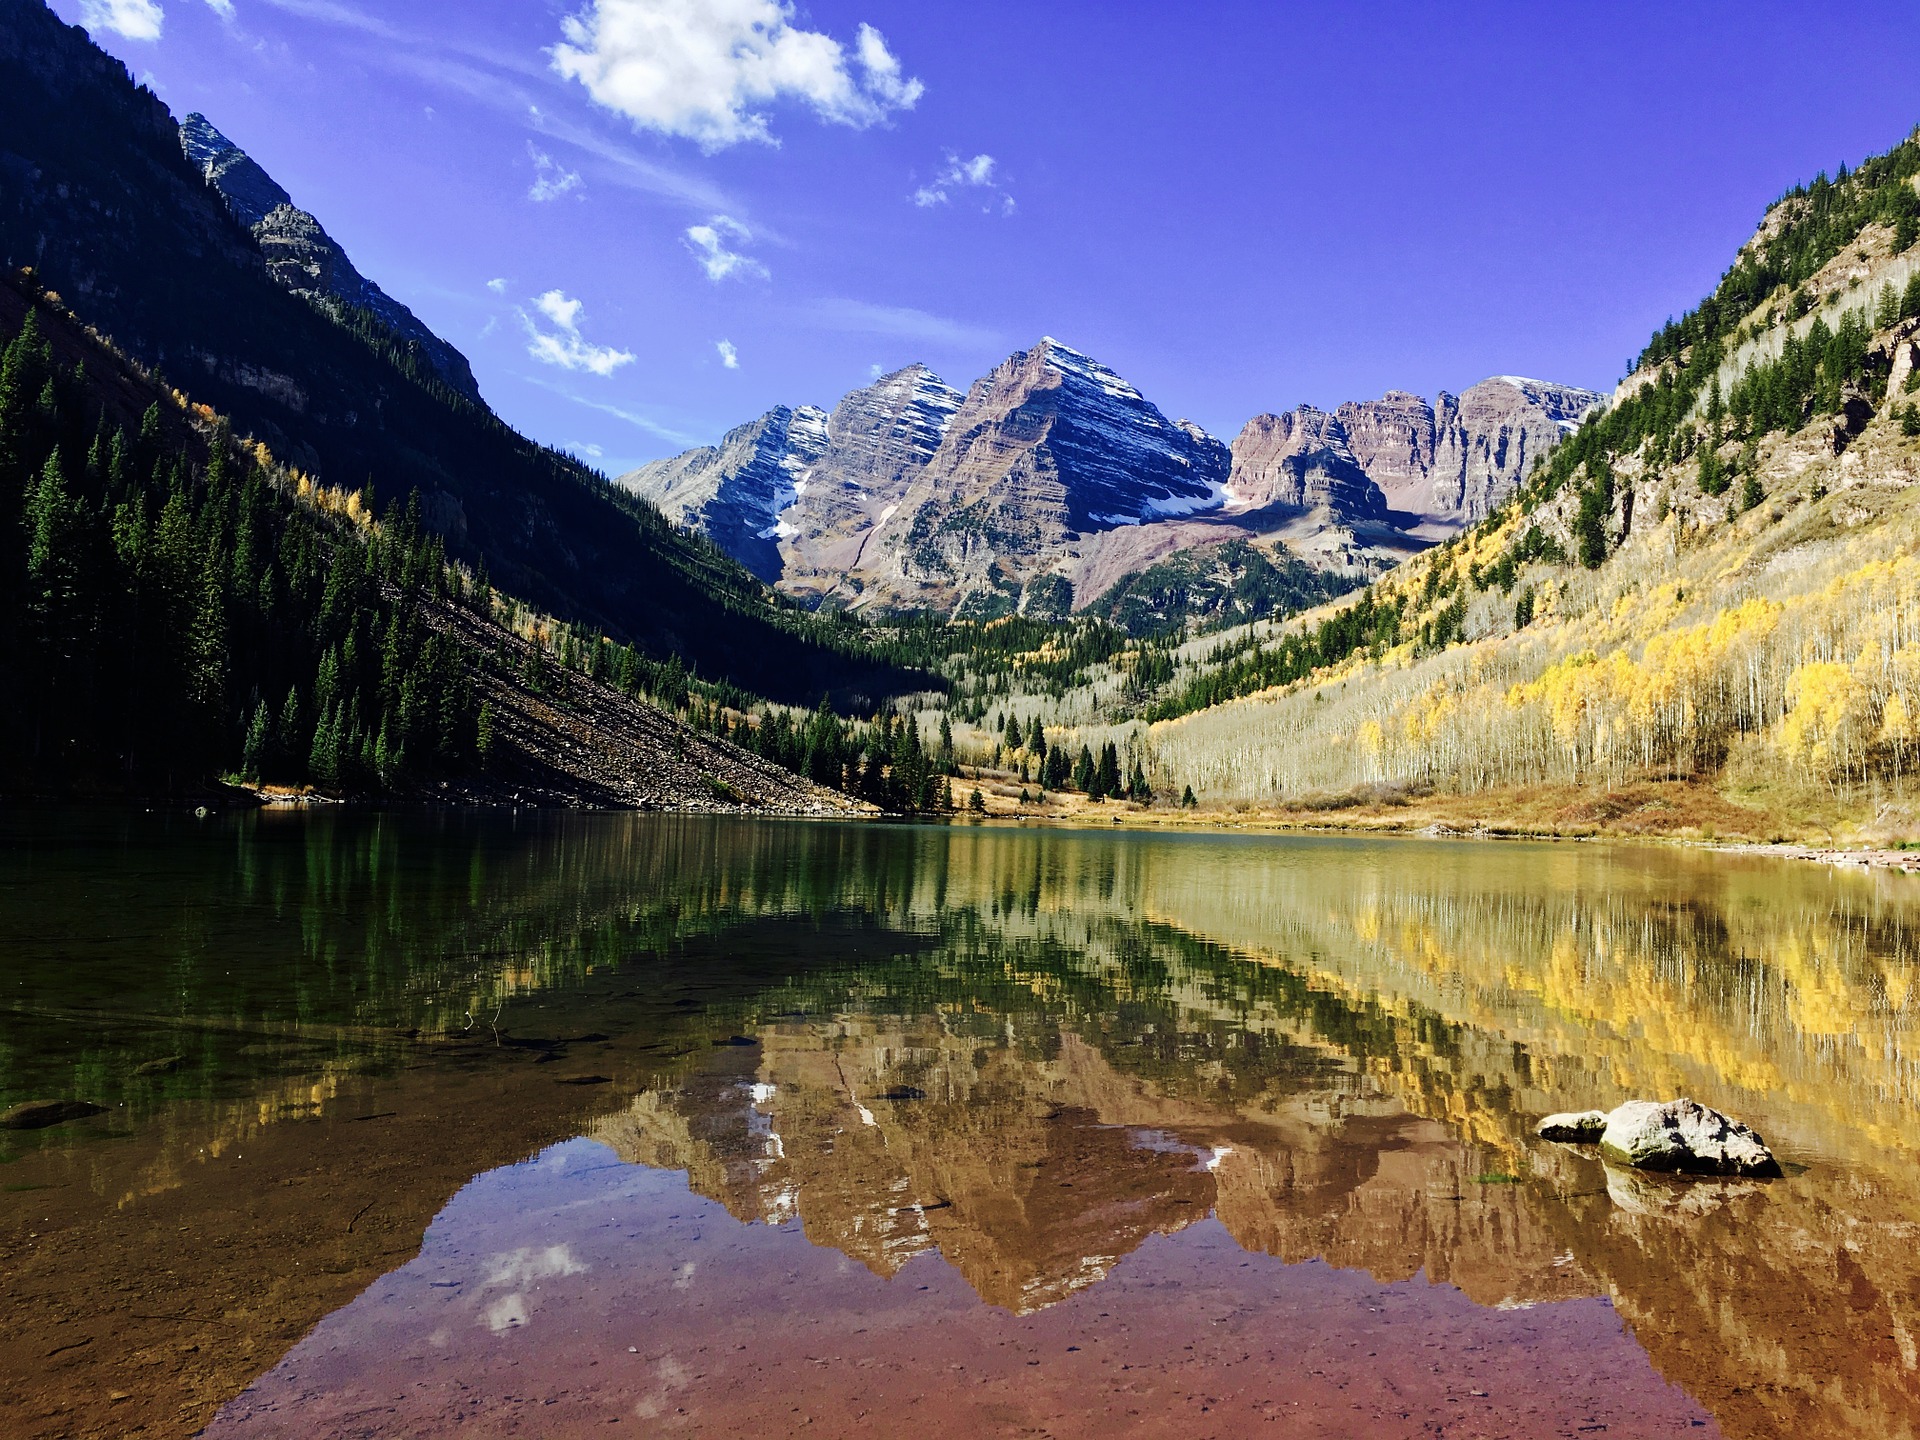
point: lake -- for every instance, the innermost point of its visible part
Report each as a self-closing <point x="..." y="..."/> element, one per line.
<point x="555" y="1125"/>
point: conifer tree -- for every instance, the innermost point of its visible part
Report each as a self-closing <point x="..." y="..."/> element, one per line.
<point x="259" y="742"/>
<point x="484" y="740"/>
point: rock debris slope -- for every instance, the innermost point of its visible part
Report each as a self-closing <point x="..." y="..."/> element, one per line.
<point x="1053" y="480"/>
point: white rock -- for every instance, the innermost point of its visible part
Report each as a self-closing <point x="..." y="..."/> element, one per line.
<point x="1685" y="1136"/>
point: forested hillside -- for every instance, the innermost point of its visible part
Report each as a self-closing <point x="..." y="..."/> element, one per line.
<point x="99" y="199"/>
<point x="186" y="607"/>
<point x="1713" y="582"/>
<point x="1699" y="614"/>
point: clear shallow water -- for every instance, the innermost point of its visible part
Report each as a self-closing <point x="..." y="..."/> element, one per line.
<point x="485" y="1126"/>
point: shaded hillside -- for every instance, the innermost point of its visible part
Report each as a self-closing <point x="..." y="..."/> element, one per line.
<point x="96" y="194"/>
<point x="183" y="607"/>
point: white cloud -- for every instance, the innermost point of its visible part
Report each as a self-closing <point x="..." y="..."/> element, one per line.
<point x="875" y="370"/>
<point x="551" y="179"/>
<point x="699" y="68"/>
<point x="135" y="19"/>
<point x="498" y="286"/>
<point x="222" y="8"/>
<point x="710" y="246"/>
<point x="564" y="345"/>
<point x="729" y="356"/>
<point x="979" y="173"/>
<point x="585" y="450"/>
<point x="858" y="317"/>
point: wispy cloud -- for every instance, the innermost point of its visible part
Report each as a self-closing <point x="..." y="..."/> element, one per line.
<point x="564" y="345"/>
<point x="699" y="69"/>
<point x="630" y="171"/>
<point x="729" y="356"/>
<point x="551" y="179"/>
<point x="859" y="317"/>
<point x="711" y="242"/>
<point x="619" y="412"/>
<point x="222" y="8"/>
<point x="498" y="285"/>
<point x="135" y="19"/>
<point x="510" y="83"/>
<point x="979" y="175"/>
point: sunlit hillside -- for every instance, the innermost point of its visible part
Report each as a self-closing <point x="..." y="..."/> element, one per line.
<point x="1714" y="582"/>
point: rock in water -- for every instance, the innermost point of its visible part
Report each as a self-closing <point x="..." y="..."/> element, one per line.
<point x="1577" y="1127"/>
<point x="1684" y="1136"/>
<point x="39" y="1114"/>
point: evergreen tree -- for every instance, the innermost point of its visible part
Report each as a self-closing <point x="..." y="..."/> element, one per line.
<point x="823" y="760"/>
<point x="1596" y="508"/>
<point x="253" y="760"/>
<point x="1106" y="775"/>
<point x="484" y="740"/>
<point x="1137" y="787"/>
<point x="207" y="640"/>
<point x="1083" y="772"/>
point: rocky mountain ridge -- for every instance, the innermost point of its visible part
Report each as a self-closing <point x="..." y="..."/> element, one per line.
<point x="301" y="256"/>
<point x="1053" y="480"/>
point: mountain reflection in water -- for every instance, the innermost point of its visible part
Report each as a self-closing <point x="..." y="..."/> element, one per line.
<point x="1172" y="1083"/>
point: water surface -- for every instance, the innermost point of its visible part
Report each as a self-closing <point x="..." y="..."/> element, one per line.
<point x="538" y="1125"/>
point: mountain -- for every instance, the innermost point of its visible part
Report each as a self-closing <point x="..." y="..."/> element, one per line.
<point x="1050" y="445"/>
<point x="98" y="194"/>
<point x="1053" y="485"/>
<point x="301" y="256"/>
<point x="879" y="439"/>
<point x="734" y="492"/>
<point x="1453" y="461"/>
<point x="1301" y="461"/>
<point x="183" y="607"/>
<point x="1689" y="620"/>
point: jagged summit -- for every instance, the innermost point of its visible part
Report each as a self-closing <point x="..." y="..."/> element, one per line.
<point x="1053" y="478"/>
<point x="249" y="191"/>
<point x="301" y="256"/>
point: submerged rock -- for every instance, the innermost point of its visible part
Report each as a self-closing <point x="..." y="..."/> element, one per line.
<point x="1574" y="1126"/>
<point x="1684" y="1136"/>
<point x="39" y="1114"/>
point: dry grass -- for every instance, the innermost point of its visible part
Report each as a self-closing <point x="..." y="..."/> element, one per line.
<point x="1778" y="812"/>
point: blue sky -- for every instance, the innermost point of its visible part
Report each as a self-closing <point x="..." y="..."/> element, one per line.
<point x="645" y="221"/>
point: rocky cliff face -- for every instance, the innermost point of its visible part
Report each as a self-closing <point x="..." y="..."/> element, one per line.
<point x="1053" y="480"/>
<point x="878" y="440"/>
<point x="1453" y="461"/>
<point x="1049" y="446"/>
<point x="1301" y="461"/>
<point x="301" y="256"/>
<point x="734" y="492"/>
